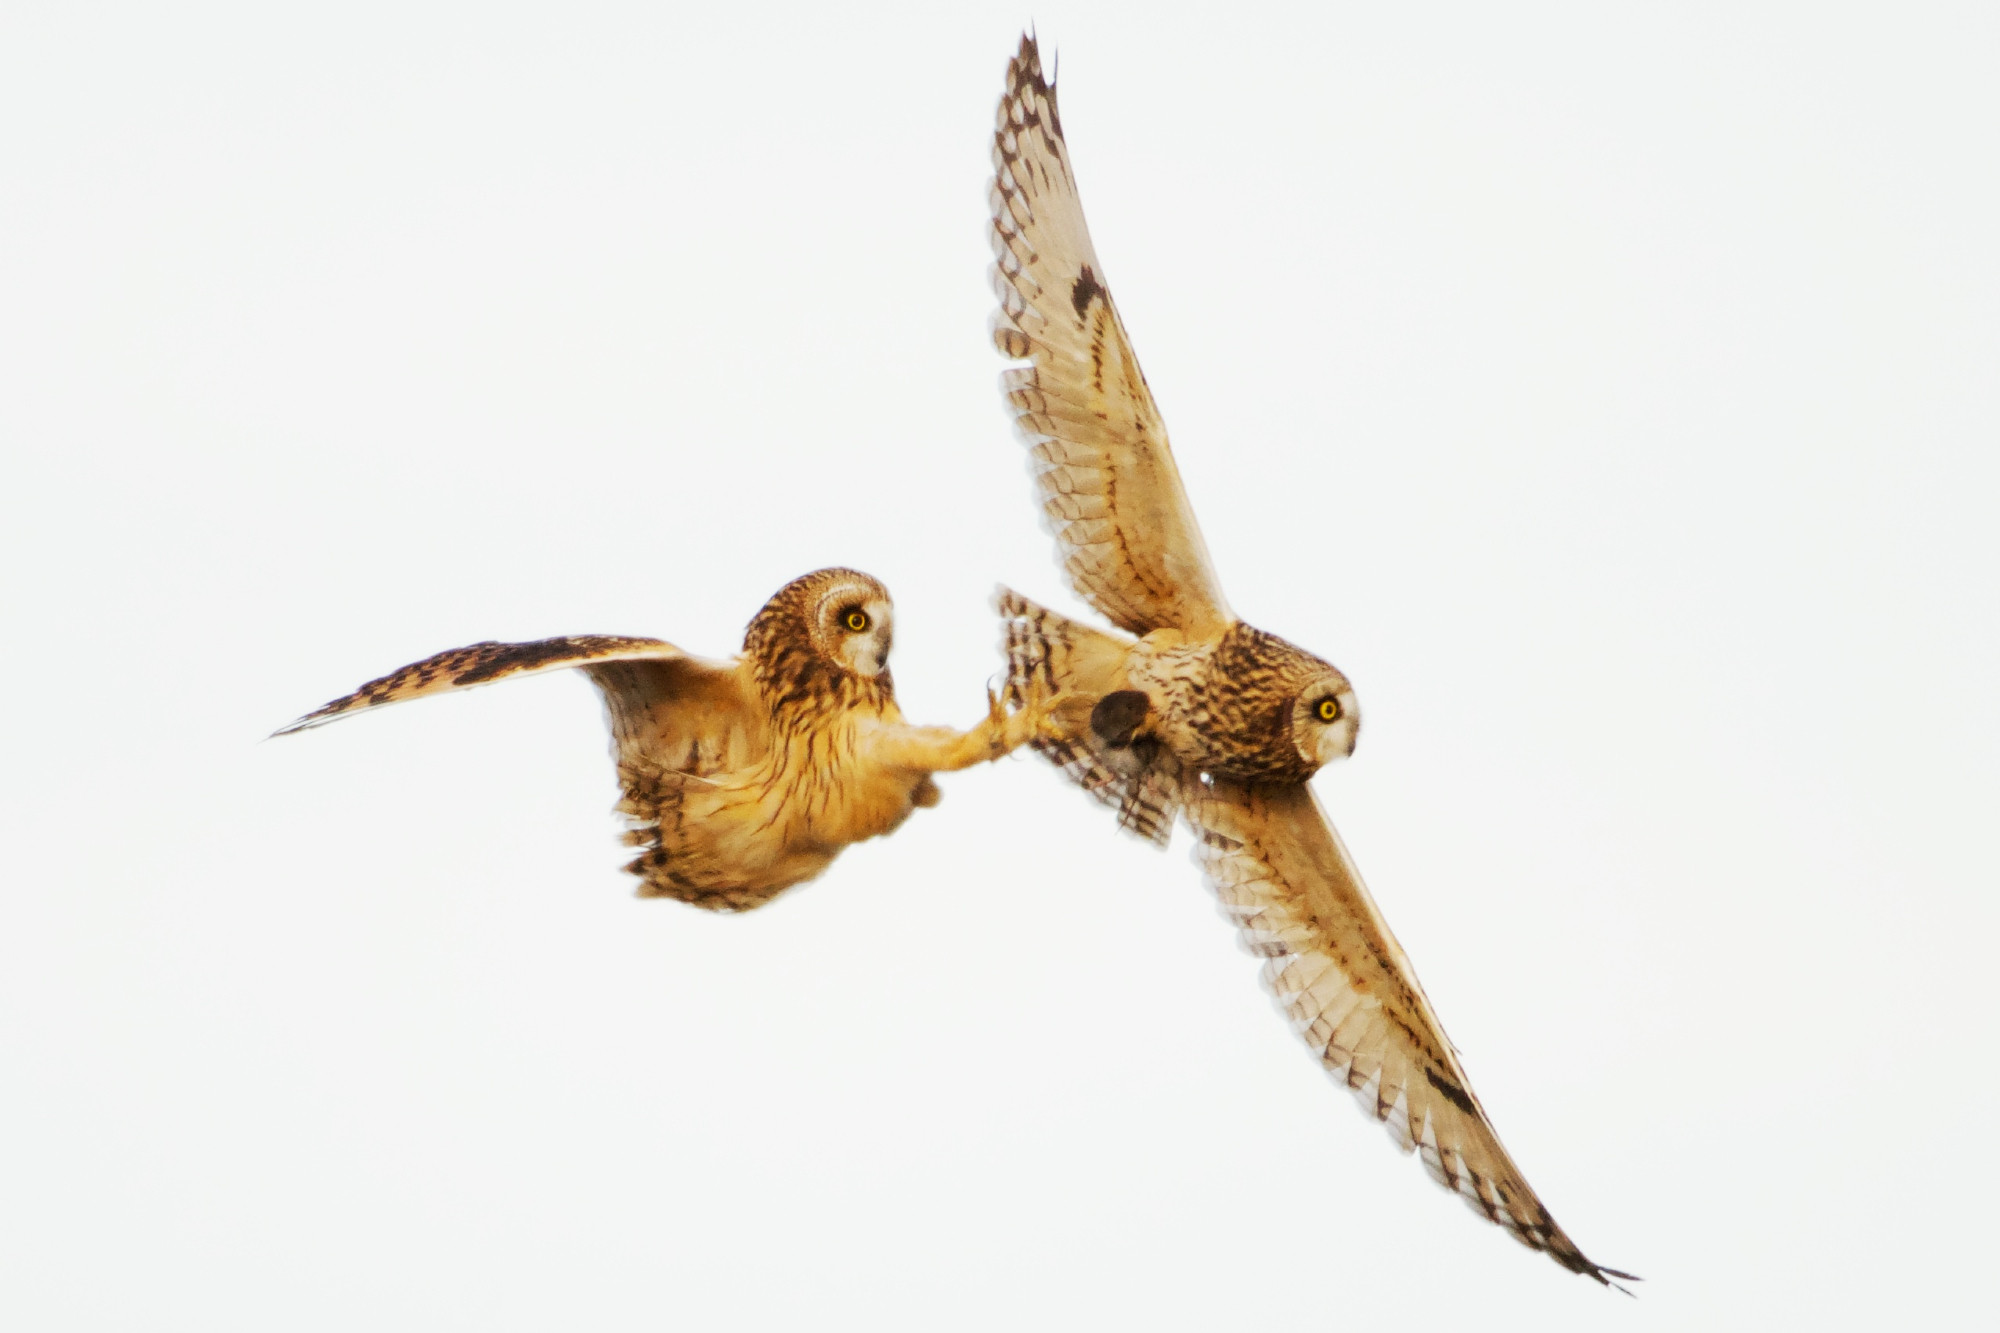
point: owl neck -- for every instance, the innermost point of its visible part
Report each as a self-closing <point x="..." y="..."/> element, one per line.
<point x="800" y="685"/>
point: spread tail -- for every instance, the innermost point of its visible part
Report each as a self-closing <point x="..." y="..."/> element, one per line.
<point x="1129" y="772"/>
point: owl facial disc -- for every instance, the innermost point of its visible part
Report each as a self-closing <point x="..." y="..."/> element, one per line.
<point x="859" y="626"/>
<point x="1326" y="721"/>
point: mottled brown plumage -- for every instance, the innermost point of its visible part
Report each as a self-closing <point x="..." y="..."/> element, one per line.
<point x="1184" y="710"/>
<point x="743" y="777"/>
<point x="1146" y="715"/>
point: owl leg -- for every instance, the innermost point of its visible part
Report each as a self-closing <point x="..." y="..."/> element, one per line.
<point x="932" y="749"/>
<point x="943" y="750"/>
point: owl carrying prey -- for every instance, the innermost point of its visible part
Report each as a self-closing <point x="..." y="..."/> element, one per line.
<point x="1190" y="712"/>
<point x="743" y="777"/>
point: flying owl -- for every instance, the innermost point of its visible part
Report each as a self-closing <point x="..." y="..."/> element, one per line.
<point x="743" y="777"/>
<point x="1189" y="712"/>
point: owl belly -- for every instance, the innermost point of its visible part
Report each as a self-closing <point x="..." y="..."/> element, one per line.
<point x="726" y="844"/>
<point x="755" y="840"/>
<point x="867" y="803"/>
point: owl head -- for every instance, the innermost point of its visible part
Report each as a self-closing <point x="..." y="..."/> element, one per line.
<point x="823" y="639"/>
<point x="1272" y="711"/>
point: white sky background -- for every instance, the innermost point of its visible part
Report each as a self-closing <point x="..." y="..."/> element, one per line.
<point x="1611" y="395"/>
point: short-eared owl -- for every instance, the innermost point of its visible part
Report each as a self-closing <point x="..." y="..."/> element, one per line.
<point x="1190" y="711"/>
<point x="747" y="776"/>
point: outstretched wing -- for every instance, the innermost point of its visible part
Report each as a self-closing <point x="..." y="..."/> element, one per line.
<point x="1108" y="485"/>
<point x="633" y="673"/>
<point x="676" y="722"/>
<point x="1338" y="973"/>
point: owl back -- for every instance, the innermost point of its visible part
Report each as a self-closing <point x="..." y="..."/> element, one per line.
<point x="1231" y="707"/>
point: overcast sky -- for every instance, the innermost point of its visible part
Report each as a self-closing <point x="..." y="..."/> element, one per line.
<point x="1609" y="391"/>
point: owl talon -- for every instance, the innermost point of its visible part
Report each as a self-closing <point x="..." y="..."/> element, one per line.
<point x="997" y="728"/>
<point x="1055" y="724"/>
<point x="1039" y="715"/>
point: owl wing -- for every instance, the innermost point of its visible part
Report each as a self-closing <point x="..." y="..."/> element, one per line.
<point x="1109" y="489"/>
<point x="647" y="685"/>
<point x="1334" y="967"/>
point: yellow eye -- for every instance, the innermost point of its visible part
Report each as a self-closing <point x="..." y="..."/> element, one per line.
<point x="857" y="621"/>
<point x="1328" y="710"/>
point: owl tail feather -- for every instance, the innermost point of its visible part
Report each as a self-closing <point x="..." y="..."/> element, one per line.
<point x="1084" y="668"/>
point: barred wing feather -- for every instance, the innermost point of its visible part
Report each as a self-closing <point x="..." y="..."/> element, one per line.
<point x="675" y="718"/>
<point x="1337" y="972"/>
<point x="1105" y="475"/>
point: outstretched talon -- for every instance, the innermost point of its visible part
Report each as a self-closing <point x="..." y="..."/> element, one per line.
<point x="1040" y="714"/>
<point x="996" y="728"/>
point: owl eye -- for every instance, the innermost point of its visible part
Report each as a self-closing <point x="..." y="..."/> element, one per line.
<point x="856" y="620"/>
<point x="1328" y="710"/>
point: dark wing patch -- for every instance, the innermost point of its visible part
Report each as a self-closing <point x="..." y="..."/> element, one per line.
<point x="1086" y="289"/>
<point x="1116" y="718"/>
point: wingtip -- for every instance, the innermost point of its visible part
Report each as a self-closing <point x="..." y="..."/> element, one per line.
<point x="319" y="717"/>
<point x="1615" y="1278"/>
<point x="1027" y="69"/>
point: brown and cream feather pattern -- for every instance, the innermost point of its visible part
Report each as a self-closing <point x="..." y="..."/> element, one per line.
<point x="1337" y="973"/>
<point x="1183" y="711"/>
<point x="1053" y="655"/>
<point x="745" y="776"/>
<point x="1109" y="490"/>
